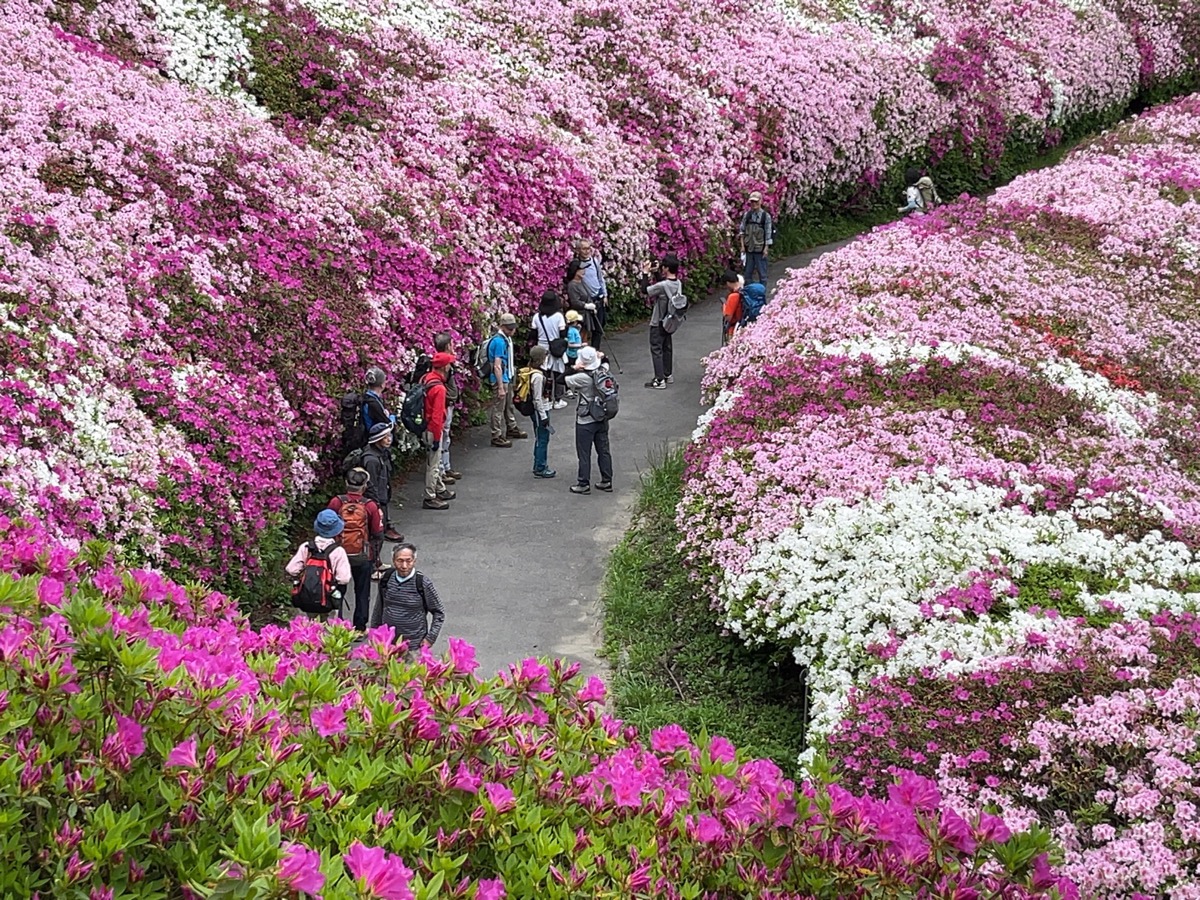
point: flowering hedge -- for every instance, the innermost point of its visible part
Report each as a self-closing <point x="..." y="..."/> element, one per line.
<point x="962" y="439"/>
<point x="152" y="744"/>
<point x="218" y="213"/>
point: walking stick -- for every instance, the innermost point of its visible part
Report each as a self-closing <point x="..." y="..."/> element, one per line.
<point x="599" y="333"/>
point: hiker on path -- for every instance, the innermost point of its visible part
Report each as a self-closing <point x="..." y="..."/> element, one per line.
<point x="321" y="569"/>
<point x="374" y="410"/>
<point x="500" y="357"/>
<point x="578" y="295"/>
<point x="377" y="460"/>
<point x="407" y="601"/>
<point x="591" y="264"/>
<point x="589" y="432"/>
<point x="541" y="413"/>
<point x="437" y="495"/>
<point x="731" y="311"/>
<point x="920" y="196"/>
<point x="444" y="343"/>
<point x="551" y="329"/>
<point x="756" y="233"/>
<point x="362" y="538"/>
<point x="665" y="295"/>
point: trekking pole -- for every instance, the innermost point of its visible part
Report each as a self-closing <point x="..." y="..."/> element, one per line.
<point x="610" y="354"/>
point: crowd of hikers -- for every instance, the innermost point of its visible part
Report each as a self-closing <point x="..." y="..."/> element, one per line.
<point x="565" y="365"/>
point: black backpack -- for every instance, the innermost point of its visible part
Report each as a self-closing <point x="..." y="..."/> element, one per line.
<point x="423" y="367"/>
<point x="314" y="590"/>
<point x="412" y="412"/>
<point x="354" y="433"/>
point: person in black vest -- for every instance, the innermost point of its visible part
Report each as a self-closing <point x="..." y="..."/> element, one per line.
<point x="377" y="460"/>
<point x="756" y="233"/>
<point x="408" y="601"/>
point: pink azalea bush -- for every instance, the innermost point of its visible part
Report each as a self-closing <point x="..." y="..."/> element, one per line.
<point x="219" y="213"/>
<point x="152" y="744"/>
<point x="954" y="469"/>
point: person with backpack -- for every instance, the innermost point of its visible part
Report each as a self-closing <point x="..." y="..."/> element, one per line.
<point x="320" y="569"/>
<point x="591" y="423"/>
<point x="362" y="538"/>
<point x="756" y="233"/>
<point x="408" y="601"/>
<point x="444" y="343"/>
<point x="503" y="416"/>
<point x="920" y="196"/>
<point x="731" y="310"/>
<point x="374" y="410"/>
<point x="537" y="406"/>
<point x="377" y="460"/>
<point x="437" y="495"/>
<point x="551" y="330"/>
<point x="667" y="306"/>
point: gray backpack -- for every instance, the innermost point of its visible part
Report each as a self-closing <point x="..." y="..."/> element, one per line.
<point x="607" y="402"/>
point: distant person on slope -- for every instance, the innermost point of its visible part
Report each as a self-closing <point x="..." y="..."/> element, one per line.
<point x="756" y="233"/>
<point x="437" y="495"/>
<point x="920" y="196"/>
<point x="665" y="296"/>
<point x="731" y="311"/>
<point x="377" y="460"/>
<point x="443" y="343"/>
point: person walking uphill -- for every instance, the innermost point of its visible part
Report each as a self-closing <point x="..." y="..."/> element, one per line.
<point x="377" y="460"/>
<point x="666" y="296"/>
<point x="362" y="538"/>
<point x="589" y="431"/>
<point x="408" y="600"/>
<point x="756" y="233"/>
<point x="500" y="358"/>
<point x="320" y="569"/>
<point x="437" y="495"/>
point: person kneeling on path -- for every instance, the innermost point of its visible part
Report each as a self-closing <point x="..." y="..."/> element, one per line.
<point x="500" y="358"/>
<point x="437" y="495"/>
<point x="407" y="600"/>
<point x="362" y="538"/>
<point x="589" y="431"/>
<point x="320" y="569"/>
<point x="377" y="460"/>
<point x="539" y="411"/>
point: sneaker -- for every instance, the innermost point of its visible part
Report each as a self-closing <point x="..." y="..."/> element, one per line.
<point x="670" y="379"/>
<point x="657" y="385"/>
<point x="570" y="394"/>
<point x="501" y="442"/>
<point x="559" y="404"/>
<point x="604" y="486"/>
<point x="446" y="495"/>
<point x="545" y="473"/>
<point x="393" y="535"/>
<point x="581" y="489"/>
<point x="517" y="433"/>
<point x="448" y="478"/>
<point x="457" y="476"/>
<point x="435" y="504"/>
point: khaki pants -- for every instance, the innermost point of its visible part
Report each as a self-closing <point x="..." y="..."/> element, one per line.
<point x="433" y="473"/>
<point x="502" y="413"/>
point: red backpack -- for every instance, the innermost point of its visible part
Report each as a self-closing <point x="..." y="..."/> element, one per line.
<point x="356" y="537"/>
<point x="313" y="590"/>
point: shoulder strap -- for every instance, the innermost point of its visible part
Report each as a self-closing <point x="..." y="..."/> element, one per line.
<point x="542" y="327"/>
<point x="314" y="551"/>
<point x="420" y="579"/>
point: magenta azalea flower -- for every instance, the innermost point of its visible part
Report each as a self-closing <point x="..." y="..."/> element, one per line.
<point x="183" y="755"/>
<point x="592" y="692"/>
<point x="329" y="720"/>
<point x="131" y="735"/>
<point x="500" y="796"/>
<point x="462" y="656"/>
<point x="378" y="873"/>
<point x="490" y="889"/>
<point x="300" y="869"/>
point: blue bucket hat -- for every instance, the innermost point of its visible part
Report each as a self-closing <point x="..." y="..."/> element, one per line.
<point x="329" y="524"/>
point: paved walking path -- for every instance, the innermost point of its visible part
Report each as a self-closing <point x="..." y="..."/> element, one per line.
<point x="519" y="561"/>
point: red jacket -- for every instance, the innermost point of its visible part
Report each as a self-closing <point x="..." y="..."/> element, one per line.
<point x="435" y="404"/>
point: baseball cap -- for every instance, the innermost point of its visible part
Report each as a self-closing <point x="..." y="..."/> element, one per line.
<point x="508" y="319"/>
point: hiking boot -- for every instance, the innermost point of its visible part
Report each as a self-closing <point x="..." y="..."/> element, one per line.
<point x="604" y="486"/>
<point x="457" y="476"/>
<point x="447" y="478"/>
<point x="545" y="473"/>
<point x="393" y="535"/>
<point x="670" y="379"/>
<point x="501" y="442"/>
<point x="581" y="489"/>
<point x="657" y="385"/>
<point x="517" y="433"/>
<point x="446" y="495"/>
<point x="435" y="504"/>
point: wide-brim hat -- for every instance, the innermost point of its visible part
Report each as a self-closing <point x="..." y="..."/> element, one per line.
<point x="574" y="315"/>
<point x="589" y="359"/>
<point x="328" y="524"/>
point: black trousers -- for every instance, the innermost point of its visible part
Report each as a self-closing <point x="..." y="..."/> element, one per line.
<point x="589" y="435"/>
<point x="360" y="574"/>
<point x="661" y="353"/>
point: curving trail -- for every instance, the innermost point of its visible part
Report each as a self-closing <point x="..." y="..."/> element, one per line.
<point x="519" y="561"/>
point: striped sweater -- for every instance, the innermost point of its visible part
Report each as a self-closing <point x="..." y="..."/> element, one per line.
<point x="401" y="606"/>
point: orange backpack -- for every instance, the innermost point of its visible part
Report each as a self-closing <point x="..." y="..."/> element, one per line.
<point x="356" y="537"/>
